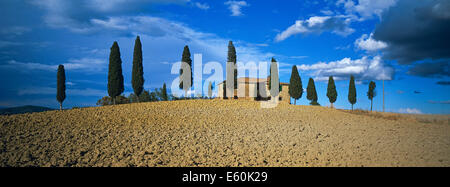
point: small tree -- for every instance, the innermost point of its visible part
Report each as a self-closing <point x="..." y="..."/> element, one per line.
<point x="137" y="78"/>
<point x="104" y="101"/>
<point x="133" y="98"/>
<point x="224" y="89"/>
<point x="232" y="58"/>
<point x="331" y="91"/>
<point x="295" y="85"/>
<point x="61" y="85"/>
<point x="186" y="58"/>
<point x="145" y="96"/>
<point x="352" y="91"/>
<point x="164" y="95"/>
<point x="121" y="99"/>
<point x="210" y="88"/>
<point x="371" y="93"/>
<point x="115" y="77"/>
<point x="311" y="92"/>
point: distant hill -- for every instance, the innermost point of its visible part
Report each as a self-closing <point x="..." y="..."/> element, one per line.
<point x="23" y="109"/>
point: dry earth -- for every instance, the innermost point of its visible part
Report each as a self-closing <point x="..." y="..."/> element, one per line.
<point x="221" y="133"/>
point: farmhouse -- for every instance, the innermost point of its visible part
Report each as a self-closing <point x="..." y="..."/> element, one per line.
<point x="248" y="89"/>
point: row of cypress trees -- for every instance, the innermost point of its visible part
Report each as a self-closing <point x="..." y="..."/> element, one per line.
<point x="296" y="89"/>
<point x="116" y="86"/>
<point x="115" y="77"/>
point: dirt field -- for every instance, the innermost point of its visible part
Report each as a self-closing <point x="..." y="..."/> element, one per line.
<point x="222" y="133"/>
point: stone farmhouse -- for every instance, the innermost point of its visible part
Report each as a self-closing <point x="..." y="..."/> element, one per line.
<point x="247" y="89"/>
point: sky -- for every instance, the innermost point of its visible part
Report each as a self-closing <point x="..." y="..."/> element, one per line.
<point x="399" y="41"/>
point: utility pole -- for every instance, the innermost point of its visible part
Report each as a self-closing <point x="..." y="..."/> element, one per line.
<point x="383" y="95"/>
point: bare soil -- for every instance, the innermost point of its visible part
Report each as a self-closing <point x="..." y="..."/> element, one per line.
<point x="222" y="133"/>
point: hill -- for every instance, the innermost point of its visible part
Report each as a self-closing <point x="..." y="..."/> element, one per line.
<point x="23" y="109"/>
<point x="221" y="133"/>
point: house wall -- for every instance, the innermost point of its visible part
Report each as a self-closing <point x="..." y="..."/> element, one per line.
<point x="249" y="91"/>
<point x="220" y="90"/>
<point x="284" y="94"/>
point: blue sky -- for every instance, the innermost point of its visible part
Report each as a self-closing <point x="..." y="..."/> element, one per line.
<point x="400" y="41"/>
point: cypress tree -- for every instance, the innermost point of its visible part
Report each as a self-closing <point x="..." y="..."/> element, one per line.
<point x="164" y="95"/>
<point x="186" y="58"/>
<point x="352" y="91"/>
<point x="371" y="93"/>
<point x="311" y="92"/>
<point x="295" y="85"/>
<point x="115" y="77"/>
<point x="225" y="89"/>
<point x="270" y="75"/>
<point x="232" y="58"/>
<point x="274" y="75"/>
<point x="61" y="85"/>
<point x="331" y="91"/>
<point x="210" y="90"/>
<point x="137" y="80"/>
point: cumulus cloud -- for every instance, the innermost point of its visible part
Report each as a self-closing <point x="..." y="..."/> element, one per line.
<point x="170" y="36"/>
<point x="318" y="24"/>
<point x="416" y="30"/>
<point x="363" y="69"/>
<point x="366" y="8"/>
<point x="367" y="43"/>
<point x="82" y="17"/>
<point x="77" y="15"/>
<point x="167" y="32"/>
<point x="410" y="111"/>
<point x="236" y="6"/>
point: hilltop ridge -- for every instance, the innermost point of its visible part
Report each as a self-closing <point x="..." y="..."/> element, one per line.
<point x="220" y="133"/>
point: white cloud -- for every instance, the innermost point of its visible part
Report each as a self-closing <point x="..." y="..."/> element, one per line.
<point x="170" y="36"/>
<point x="14" y="30"/>
<point x="327" y="12"/>
<point x="26" y="66"/>
<point x="318" y="24"/>
<point x="76" y="16"/>
<point x="4" y="44"/>
<point x="166" y="32"/>
<point x="366" y="8"/>
<point x="202" y="6"/>
<point x="410" y="111"/>
<point x="363" y="69"/>
<point x="83" y="64"/>
<point x="369" y="44"/>
<point x="86" y="64"/>
<point x="236" y="6"/>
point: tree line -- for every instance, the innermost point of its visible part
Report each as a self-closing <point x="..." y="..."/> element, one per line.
<point x="116" y="85"/>
<point x="116" y="82"/>
<point x="296" y="90"/>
